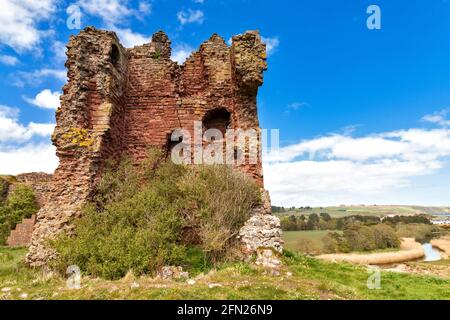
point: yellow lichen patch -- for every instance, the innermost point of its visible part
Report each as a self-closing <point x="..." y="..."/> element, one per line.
<point x="264" y="55"/>
<point x="80" y="137"/>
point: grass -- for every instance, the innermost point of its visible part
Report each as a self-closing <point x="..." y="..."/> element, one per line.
<point x="292" y="239"/>
<point x="301" y="278"/>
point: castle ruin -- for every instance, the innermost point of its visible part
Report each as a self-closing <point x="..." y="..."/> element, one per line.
<point x="119" y="102"/>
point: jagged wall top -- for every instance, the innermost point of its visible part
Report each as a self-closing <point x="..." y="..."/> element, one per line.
<point x="248" y="52"/>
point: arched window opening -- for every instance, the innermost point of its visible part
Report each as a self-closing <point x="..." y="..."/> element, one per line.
<point x="219" y="119"/>
<point x="114" y="55"/>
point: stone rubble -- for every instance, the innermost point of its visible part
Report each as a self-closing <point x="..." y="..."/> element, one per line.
<point x="172" y="273"/>
<point x="269" y="260"/>
<point x="261" y="231"/>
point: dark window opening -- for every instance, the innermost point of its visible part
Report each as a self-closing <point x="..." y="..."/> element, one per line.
<point x="114" y="55"/>
<point x="217" y="119"/>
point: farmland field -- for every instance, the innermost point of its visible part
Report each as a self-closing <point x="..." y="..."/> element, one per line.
<point x="293" y="239"/>
<point x="378" y="211"/>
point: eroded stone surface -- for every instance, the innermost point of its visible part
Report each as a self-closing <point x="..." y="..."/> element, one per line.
<point x="261" y="231"/>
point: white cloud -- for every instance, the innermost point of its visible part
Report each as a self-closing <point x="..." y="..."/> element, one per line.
<point x="41" y="129"/>
<point x="36" y="77"/>
<point x="271" y="44"/>
<point x="341" y="169"/>
<point x="129" y="39"/>
<point x="181" y="52"/>
<point x="438" y="118"/>
<point x="46" y="99"/>
<point x="191" y="16"/>
<point x="110" y="11"/>
<point x="59" y="50"/>
<point x="114" y="12"/>
<point x="145" y="7"/>
<point x="29" y="158"/>
<point x="17" y="153"/>
<point x="298" y="105"/>
<point x="8" y="60"/>
<point x="19" y="22"/>
<point x="11" y="131"/>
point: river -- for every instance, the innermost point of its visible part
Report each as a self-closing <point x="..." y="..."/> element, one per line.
<point x="431" y="254"/>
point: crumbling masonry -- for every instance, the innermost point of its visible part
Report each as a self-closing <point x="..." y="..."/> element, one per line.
<point x="121" y="101"/>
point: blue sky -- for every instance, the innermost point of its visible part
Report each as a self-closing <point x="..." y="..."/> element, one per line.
<point x="363" y="114"/>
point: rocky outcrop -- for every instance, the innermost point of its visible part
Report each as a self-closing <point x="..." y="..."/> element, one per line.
<point x="261" y="231"/>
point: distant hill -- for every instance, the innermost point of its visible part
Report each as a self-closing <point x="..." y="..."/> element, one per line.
<point x="373" y="210"/>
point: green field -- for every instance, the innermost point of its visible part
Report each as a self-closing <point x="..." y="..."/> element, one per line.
<point x="293" y="240"/>
<point x="301" y="278"/>
<point x="378" y="211"/>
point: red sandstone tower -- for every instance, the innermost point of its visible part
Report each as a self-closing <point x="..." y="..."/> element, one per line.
<point x="121" y="101"/>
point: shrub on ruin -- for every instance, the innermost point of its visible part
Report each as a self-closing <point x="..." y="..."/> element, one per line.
<point x="155" y="214"/>
<point x="217" y="201"/>
<point x="21" y="203"/>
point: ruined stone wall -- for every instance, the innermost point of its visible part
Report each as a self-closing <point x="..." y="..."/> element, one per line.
<point x="89" y="130"/>
<point x="39" y="182"/>
<point x="22" y="233"/>
<point x="122" y="101"/>
<point x="163" y="96"/>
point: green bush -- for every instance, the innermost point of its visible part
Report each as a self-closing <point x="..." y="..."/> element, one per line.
<point x="217" y="201"/>
<point x="385" y="236"/>
<point x="360" y="238"/>
<point x="421" y="232"/>
<point x="335" y="242"/>
<point x="144" y="217"/>
<point x="21" y="203"/>
<point x="357" y="237"/>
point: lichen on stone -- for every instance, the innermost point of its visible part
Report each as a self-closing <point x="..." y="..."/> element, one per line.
<point x="79" y="137"/>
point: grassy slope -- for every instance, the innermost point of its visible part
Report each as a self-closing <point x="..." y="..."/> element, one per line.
<point x="311" y="279"/>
